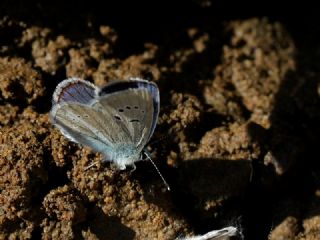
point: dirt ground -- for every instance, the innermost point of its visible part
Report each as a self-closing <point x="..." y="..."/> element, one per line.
<point x="237" y="137"/>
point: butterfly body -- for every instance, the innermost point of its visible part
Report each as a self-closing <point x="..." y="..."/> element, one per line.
<point x="125" y="155"/>
<point x="117" y="120"/>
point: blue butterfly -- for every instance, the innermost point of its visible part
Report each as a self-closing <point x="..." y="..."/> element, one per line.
<point x="117" y="120"/>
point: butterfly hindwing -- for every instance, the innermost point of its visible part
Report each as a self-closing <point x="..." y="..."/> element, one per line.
<point x="74" y="90"/>
<point x="137" y="100"/>
<point x="132" y="109"/>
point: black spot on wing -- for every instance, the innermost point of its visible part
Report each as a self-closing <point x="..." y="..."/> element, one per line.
<point x="117" y="118"/>
<point x="135" y="120"/>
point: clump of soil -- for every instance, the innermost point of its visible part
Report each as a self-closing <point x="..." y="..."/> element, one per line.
<point x="19" y="82"/>
<point x="236" y="136"/>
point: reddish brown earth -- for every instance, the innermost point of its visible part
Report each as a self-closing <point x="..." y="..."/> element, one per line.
<point x="237" y="138"/>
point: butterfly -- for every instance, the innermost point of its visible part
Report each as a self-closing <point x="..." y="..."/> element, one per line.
<point x="116" y="120"/>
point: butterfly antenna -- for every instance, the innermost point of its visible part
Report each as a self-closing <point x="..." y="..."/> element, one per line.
<point x="146" y="152"/>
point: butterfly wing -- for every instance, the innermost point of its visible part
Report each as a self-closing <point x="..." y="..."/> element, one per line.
<point x="74" y="90"/>
<point x="221" y="234"/>
<point x="79" y="122"/>
<point x="74" y="122"/>
<point x="135" y="106"/>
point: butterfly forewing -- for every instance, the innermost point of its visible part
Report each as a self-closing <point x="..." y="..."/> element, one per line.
<point x="133" y="110"/>
<point x="147" y="99"/>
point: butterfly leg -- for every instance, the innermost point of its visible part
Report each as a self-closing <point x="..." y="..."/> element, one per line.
<point x="91" y="165"/>
<point x="134" y="167"/>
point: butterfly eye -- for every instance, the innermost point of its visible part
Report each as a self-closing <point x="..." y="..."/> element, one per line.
<point x="128" y="107"/>
<point x="117" y="117"/>
<point x="120" y="110"/>
<point x="136" y="107"/>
